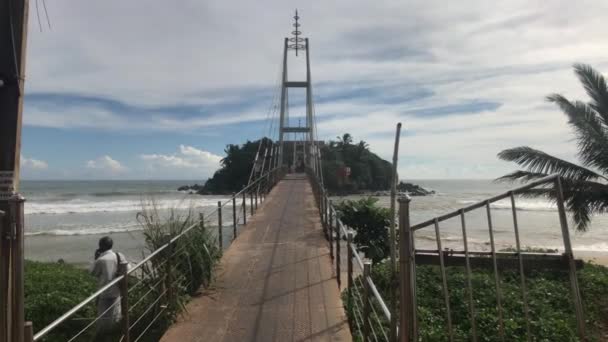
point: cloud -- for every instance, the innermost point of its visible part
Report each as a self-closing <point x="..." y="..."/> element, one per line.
<point x="107" y="165"/>
<point x="188" y="162"/>
<point x="467" y="79"/>
<point x="32" y="164"/>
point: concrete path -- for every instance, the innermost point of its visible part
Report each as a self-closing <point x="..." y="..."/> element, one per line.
<point x="275" y="282"/>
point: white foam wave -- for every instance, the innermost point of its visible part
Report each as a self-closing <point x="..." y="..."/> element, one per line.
<point x="86" y="231"/>
<point x="520" y="204"/>
<point x="85" y="206"/>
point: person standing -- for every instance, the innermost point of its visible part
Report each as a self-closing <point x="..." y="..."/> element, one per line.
<point x="105" y="268"/>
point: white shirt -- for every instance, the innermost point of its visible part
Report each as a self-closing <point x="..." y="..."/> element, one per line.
<point x="105" y="269"/>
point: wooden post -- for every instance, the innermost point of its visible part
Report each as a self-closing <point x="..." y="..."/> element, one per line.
<point x="201" y="219"/>
<point x="407" y="277"/>
<point x="256" y="200"/>
<point x="169" y="270"/>
<point x="330" y="231"/>
<point x="219" y="226"/>
<point x="349" y="265"/>
<point x="244" y="208"/>
<point x="13" y="38"/>
<point x="124" y="301"/>
<point x="17" y="258"/>
<point x="233" y="216"/>
<point x="367" y="269"/>
<point x="28" y="334"/>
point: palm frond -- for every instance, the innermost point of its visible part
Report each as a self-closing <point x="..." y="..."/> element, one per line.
<point x="595" y="86"/>
<point x="522" y="176"/>
<point x="539" y="162"/>
<point x="592" y="136"/>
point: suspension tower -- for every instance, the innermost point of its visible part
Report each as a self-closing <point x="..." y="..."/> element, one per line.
<point x="304" y="135"/>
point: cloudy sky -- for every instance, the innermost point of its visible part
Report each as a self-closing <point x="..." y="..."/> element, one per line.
<point x="156" y="89"/>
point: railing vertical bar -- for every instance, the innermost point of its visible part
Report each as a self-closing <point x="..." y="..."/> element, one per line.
<point x="522" y="276"/>
<point x="501" y="324"/>
<point x="255" y="195"/>
<point x="330" y="230"/>
<point x="251" y="207"/>
<point x="234" y="219"/>
<point x="244" y="208"/>
<point x="367" y="268"/>
<point x="338" y="258"/>
<point x="563" y="219"/>
<point x="124" y="301"/>
<point x="468" y="275"/>
<point x="349" y="267"/>
<point x="220" y="240"/>
<point x="446" y="293"/>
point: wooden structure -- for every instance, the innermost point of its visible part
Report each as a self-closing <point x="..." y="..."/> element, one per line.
<point x="13" y="34"/>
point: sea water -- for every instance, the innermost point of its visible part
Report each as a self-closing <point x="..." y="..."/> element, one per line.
<point x="64" y="219"/>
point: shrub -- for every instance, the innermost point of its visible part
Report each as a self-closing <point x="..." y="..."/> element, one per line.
<point x="51" y="289"/>
<point x="371" y="224"/>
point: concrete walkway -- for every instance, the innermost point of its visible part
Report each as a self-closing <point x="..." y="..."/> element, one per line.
<point x="275" y="282"/>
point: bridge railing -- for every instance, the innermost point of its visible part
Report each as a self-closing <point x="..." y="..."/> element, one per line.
<point x="371" y="316"/>
<point x="150" y="289"/>
<point x="518" y="259"/>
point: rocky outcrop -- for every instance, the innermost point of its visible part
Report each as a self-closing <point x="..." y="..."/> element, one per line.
<point x="413" y="189"/>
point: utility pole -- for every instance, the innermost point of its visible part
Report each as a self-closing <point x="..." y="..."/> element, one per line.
<point x="13" y="37"/>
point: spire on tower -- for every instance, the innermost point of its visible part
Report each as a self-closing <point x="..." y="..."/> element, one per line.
<point x="296" y="40"/>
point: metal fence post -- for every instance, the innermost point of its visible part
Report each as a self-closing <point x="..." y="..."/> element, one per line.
<point x="244" y="208"/>
<point x="349" y="266"/>
<point x="233" y="216"/>
<point x="407" y="277"/>
<point x="4" y="274"/>
<point x="367" y="269"/>
<point x="330" y="231"/>
<point x="563" y="220"/>
<point x="220" y="240"/>
<point x="251" y="202"/>
<point x="338" y="239"/>
<point x="124" y="301"/>
<point x="255" y="195"/>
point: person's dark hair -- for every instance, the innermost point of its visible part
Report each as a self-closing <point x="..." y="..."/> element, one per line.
<point x="105" y="243"/>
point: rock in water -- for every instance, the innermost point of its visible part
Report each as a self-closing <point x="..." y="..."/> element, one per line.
<point x="413" y="189"/>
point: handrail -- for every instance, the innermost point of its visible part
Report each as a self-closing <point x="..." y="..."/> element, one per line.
<point x="480" y="204"/>
<point x="43" y="332"/>
<point x="383" y="306"/>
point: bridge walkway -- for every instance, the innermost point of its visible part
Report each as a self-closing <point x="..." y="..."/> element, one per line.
<point x="275" y="282"/>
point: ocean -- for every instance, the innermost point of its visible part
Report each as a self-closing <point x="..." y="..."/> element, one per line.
<point x="64" y="219"/>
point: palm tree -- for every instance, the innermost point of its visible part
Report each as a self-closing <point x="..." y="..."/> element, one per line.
<point x="585" y="186"/>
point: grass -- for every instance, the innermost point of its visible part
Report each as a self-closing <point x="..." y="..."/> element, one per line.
<point x="549" y="297"/>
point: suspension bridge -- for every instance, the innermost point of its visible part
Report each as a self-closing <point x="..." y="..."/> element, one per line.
<point x="288" y="257"/>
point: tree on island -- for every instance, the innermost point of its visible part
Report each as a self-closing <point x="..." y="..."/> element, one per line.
<point x="367" y="170"/>
<point x="585" y="186"/>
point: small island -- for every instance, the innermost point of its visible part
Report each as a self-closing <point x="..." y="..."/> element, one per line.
<point x="348" y="168"/>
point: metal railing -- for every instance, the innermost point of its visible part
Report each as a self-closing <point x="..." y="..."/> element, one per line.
<point x="371" y="316"/>
<point x="410" y="257"/>
<point x="146" y="296"/>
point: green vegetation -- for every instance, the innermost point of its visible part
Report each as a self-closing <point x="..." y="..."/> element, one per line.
<point x="51" y="289"/>
<point x="585" y="188"/>
<point x="158" y="291"/>
<point x="367" y="170"/>
<point x="370" y="223"/>
<point x="551" y="308"/>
